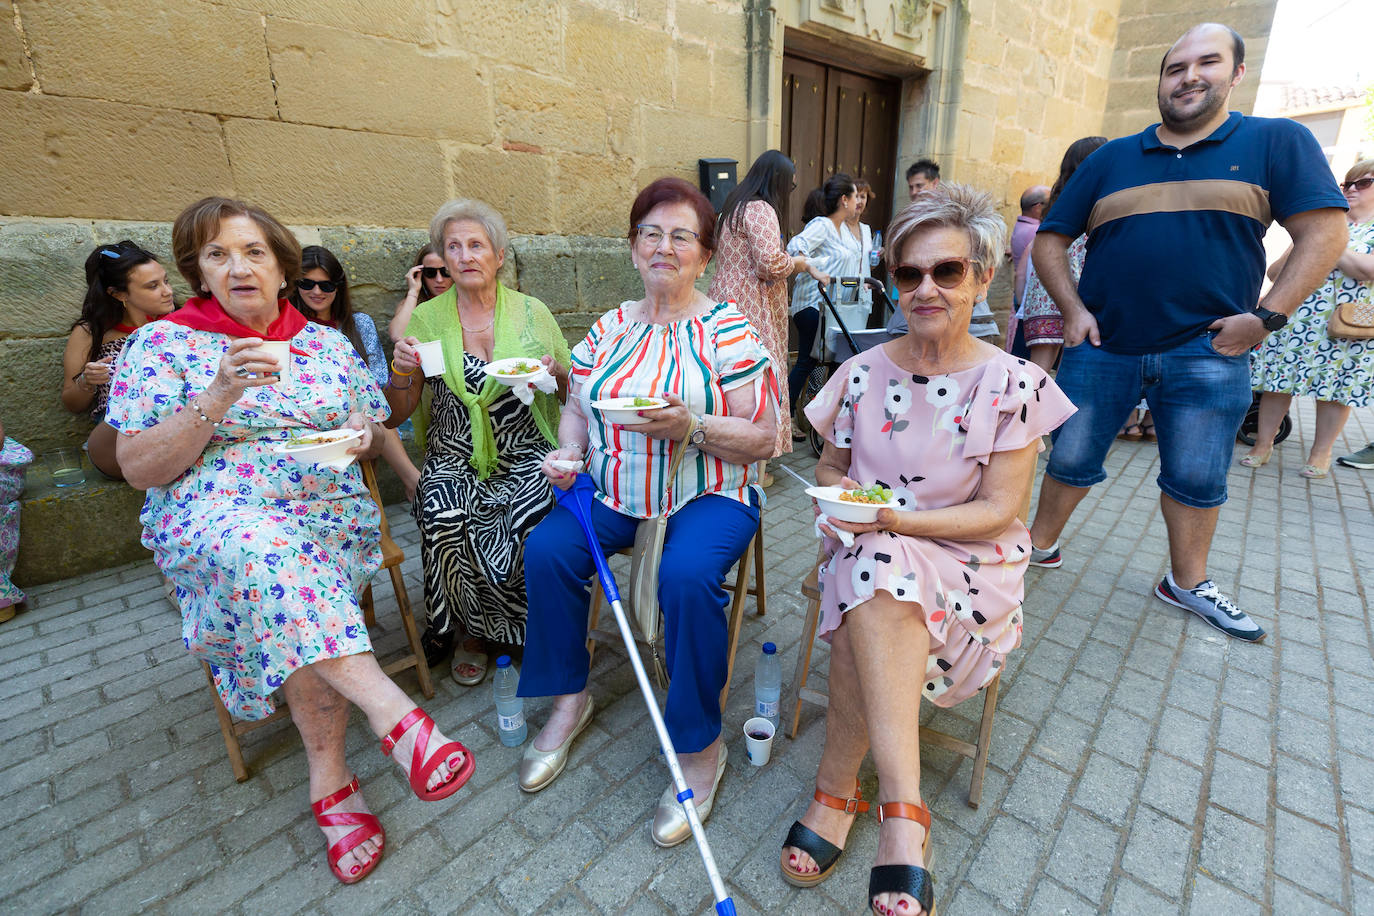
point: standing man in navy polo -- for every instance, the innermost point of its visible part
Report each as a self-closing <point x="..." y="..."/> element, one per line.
<point x="1166" y="305"/>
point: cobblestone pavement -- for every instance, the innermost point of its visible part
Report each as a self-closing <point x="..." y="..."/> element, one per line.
<point x="1141" y="762"/>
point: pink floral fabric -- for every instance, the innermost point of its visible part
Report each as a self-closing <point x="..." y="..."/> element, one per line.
<point x="268" y="554"/>
<point x="928" y="439"/>
<point x="13" y="459"/>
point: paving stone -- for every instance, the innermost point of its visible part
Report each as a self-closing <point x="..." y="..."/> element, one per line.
<point x="1158" y="853"/>
<point x="1130" y="898"/>
<point x="1107" y="788"/>
<point x="1052" y="899"/>
<point x="1005" y="866"/>
<point x="1183" y="735"/>
<point x="1129" y="737"/>
<point x="1037" y="793"/>
<point x="1290" y="899"/>
<point x="1084" y="853"/>
<point x="536" y="881"/>
<point x="1173" y="787"/>
<point x="1360" y="826"/>
<point x="1234" y="851"/>
<point x="1246" y="735"/>
<point x="1241" y="787"/>
<point x="1211" y="898"/>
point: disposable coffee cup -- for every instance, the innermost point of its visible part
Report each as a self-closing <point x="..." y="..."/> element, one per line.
<point x="431" y="357"/>
<point x="758" y="740"/>
<point x="281" y="352"/>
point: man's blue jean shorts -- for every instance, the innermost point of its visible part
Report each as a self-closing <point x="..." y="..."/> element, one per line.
<point x="1197" y="399"/>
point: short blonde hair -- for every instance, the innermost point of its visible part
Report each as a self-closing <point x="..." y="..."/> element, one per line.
<point x="466" y="208"/>
<point x="1360" y="169"/>
<point x="952" y="206"/>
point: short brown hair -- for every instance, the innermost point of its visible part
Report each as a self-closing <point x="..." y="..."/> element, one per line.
<point x="200" y="222"/>
<point x="1359" y="170"/>
<point x="676" y="191"/>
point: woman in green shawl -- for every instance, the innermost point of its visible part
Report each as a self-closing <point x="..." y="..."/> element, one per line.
<point x="481" y="488"/>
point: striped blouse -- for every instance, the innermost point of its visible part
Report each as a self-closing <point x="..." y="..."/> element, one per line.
<point x="698" y="359"/>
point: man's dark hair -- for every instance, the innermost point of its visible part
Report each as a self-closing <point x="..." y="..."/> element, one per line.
<point x="926" y="167"/>
<point x="1032" y="196"/>
<point x="1237" y="48"/>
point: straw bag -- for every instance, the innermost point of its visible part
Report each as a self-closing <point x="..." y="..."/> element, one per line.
<point x="648" y="550"/>
<point x="1352" y="320"/>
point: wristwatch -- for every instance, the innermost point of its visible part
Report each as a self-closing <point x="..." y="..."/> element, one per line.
<point x="1272" y="320"/>
<point x="698" y="435"/>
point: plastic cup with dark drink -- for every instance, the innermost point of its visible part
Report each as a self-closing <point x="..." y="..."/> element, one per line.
<point x="758" y="740"/>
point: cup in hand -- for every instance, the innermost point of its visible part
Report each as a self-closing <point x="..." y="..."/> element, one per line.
<point x="431" y="355"/>
<point x="281" y="352"/>
<point x="758" y="740"/>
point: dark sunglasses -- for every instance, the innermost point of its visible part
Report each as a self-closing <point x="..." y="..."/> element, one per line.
<point x="946" y="274"/>
<point x="326" y="286"/>
<point x="431" y="272"/>
<point x="1359" y="184"/>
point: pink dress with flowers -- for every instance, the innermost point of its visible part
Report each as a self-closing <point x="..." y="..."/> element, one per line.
<point x="928" y="439"/>
<point x="268" y="554"/>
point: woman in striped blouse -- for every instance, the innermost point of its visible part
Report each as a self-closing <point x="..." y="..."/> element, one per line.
<point x="705" y="360"/>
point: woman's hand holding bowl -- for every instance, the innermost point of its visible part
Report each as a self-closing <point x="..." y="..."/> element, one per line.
<point x="671" y="422"/>
<point x="363" y="446"/>
<point x="886" y="521"/>
<point x="405" y="358"/>
<point x="559" y="373"/>
<point x="562" y="477"/>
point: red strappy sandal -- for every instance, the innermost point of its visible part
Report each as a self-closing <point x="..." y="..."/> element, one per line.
<point x="368" y="827"/>
<point x="913" y="880"/>
<point x="420" y="768"/>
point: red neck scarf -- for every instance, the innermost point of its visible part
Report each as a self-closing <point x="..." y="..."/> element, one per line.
<point x="209" y="315"/>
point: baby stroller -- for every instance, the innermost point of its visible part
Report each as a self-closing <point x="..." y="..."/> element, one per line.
<point x="1250" y="425"/>
<point x="838" y="343"/>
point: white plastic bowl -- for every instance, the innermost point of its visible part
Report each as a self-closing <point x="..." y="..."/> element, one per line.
<point x="828" y="498"/>
<point x="333" y="452"/>
<point x="500" y="370"/>
<point x="623" y="412"/>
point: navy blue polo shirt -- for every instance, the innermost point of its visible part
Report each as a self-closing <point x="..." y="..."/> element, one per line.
<point x="1175" y="237"/>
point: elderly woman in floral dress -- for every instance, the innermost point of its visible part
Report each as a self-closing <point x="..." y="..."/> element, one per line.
<point x="268" y="553"/>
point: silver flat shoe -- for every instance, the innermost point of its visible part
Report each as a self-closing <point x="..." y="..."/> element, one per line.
<point x="670" y="819"/>
<point x="539" y="768"/>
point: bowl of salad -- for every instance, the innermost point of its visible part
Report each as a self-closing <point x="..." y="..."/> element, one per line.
<point x="860" y="504"/>
<point x="625" y="411"/>
<point x="514" y="370"/>
<point x="329" y="447"/>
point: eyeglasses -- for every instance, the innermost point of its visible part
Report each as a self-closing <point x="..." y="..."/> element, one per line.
<point x="652" y="235"/>
<point x="946" y="274"/>
<point x="431" y="272"/>
<point x="326" y="286"/>
<point x="1359" y="184"/>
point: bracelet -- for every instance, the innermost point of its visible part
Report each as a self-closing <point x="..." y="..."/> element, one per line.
<point x="406" y="387"/>
<point x="577" y="445"/>
<point x="395" y="371"/>
<point x="200" y="412"/>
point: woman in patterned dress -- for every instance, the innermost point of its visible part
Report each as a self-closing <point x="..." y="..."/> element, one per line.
<point x="752" y="266"/>
<point x="705" y="360"/>
<point x="268" y="553"/>
<point x="321" y="294"/>
<point x="14" y="457"/>
<point x="480" y="488"/>
<point x="927" y="599"/>
<point x="125" y="289"/>
<point x="1301" y="360"/>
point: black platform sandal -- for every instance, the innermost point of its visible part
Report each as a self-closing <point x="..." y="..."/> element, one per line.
<point x="912" y="880"/>
<point x="825" y="853"/>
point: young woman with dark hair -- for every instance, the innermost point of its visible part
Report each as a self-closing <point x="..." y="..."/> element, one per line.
<point x="321" y="295"/>
<point x="752" y="266"/>
<point x="425" y="280"/>
<point x="126" y="288"/>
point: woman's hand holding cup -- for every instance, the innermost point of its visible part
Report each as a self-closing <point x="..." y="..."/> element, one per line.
<point x="405" y="358"/>
<point x="246" y="365"/>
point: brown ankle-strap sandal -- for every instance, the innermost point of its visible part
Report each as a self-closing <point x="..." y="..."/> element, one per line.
<point x="912" y="880"/>
<point x="825" y="853"/>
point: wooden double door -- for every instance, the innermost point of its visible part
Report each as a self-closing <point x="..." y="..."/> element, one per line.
<point x="838" y="120"/>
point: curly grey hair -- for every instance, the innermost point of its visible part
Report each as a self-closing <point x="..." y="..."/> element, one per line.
<point x="953" y="206"/>
<point x="464" y="208"/>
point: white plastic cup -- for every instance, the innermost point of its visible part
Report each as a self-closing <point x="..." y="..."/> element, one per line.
<point x="281" y="353"/>
<point x="758" y="748"/>
<point x="431" y="357"/>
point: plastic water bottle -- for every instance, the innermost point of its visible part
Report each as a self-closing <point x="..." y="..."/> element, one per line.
<point x="510" y="709"/>
<point x="873" y="256"/>
<point x="768" y="684"/>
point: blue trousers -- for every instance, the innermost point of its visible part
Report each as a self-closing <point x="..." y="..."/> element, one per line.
<point x="704" y="539"/>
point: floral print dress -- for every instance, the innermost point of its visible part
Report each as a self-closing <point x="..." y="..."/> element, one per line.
<point x="928" y="439"/>
<point x="1301" y="360"/>
<point x="268" y="554"/>
<point x="14" y="457"/>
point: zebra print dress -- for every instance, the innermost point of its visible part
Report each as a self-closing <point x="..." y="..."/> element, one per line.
<point x="472" y="532"/>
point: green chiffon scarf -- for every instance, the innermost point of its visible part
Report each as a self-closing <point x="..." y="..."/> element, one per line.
<point x="523" y="327"/>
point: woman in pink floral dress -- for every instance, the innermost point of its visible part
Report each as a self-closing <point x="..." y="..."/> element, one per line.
<point x="267" y="552"/>
<point x="752" y="266"/>
<point x="951" y="425"/>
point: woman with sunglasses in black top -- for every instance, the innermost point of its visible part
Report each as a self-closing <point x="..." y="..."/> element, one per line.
<point x="321" y="295"/>
<point x="125" y="289"/>
<point x="427" y="279"/>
